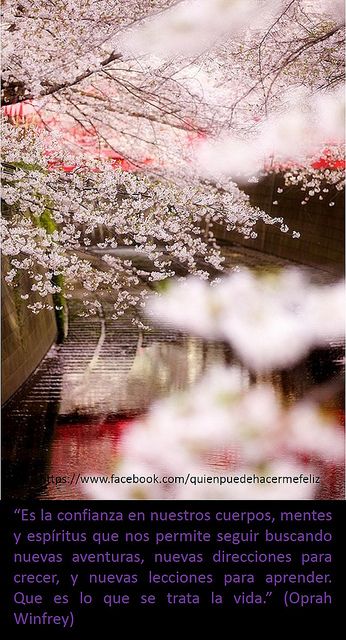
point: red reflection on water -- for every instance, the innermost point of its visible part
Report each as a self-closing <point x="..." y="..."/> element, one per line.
<point x="82" y="449"/>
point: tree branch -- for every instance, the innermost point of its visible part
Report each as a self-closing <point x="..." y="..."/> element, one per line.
<point x="55" y="88"/>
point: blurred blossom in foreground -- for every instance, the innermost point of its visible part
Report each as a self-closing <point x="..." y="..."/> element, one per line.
<point x="188" y="28"/>
<point x="247" y="430"/>
<point x="297" y="135"/>
<point x="191" y="26"/>
<point x="271" y="320"/>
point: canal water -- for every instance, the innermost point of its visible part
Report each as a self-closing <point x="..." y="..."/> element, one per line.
<point x="69" y="417"/>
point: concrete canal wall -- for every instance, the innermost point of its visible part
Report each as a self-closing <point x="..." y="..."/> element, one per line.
<point x="25" y="337"/>
<point x="321" y="227"/>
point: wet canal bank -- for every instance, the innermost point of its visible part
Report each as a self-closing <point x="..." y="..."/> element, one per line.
<point x="69" y="416"/>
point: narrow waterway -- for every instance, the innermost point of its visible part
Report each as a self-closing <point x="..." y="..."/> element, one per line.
<point x="69" y="416"/>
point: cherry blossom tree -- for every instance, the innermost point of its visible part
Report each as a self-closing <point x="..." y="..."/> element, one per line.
<point x="147" y="118"/>
<point x="159" y="218"/>
<point x="197" y="97"/>
<point x="145" y="75"/>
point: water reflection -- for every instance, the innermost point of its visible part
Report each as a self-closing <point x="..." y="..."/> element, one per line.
<point x="81" y="448"/>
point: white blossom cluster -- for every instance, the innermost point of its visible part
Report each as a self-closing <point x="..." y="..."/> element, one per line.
<point x="322" y="180"/>
<point x="271" y="320"/>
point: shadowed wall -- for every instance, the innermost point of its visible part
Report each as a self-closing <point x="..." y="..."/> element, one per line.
<point x="25" y="337"/>
<point x="321" y="227"/>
